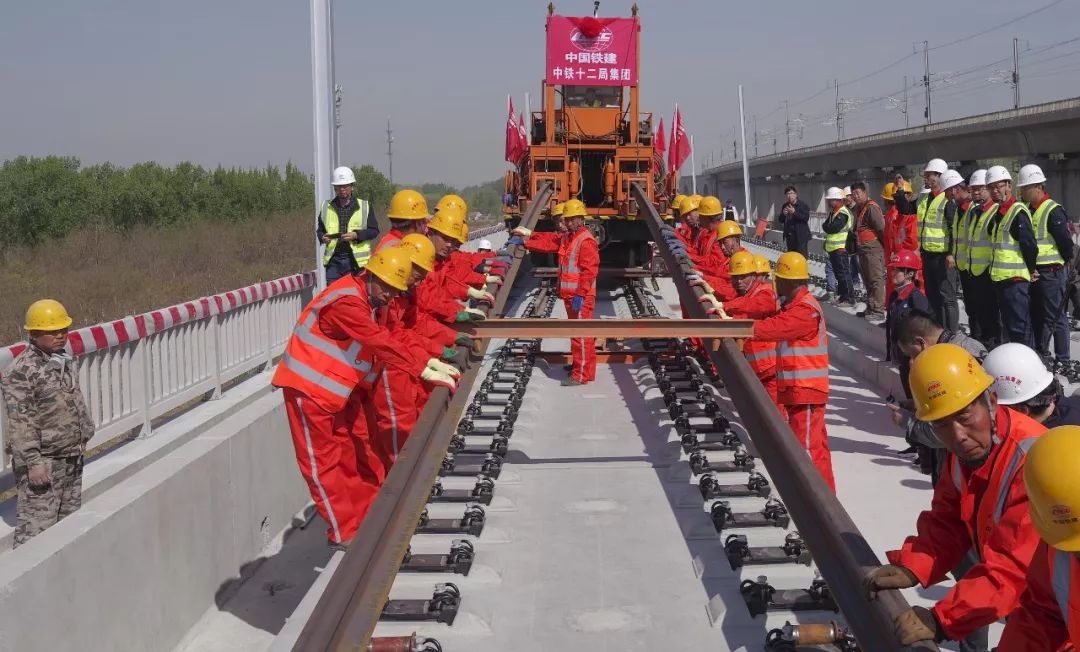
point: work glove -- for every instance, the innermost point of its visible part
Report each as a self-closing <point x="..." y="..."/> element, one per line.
<point x="577" y="303"/>
<point x="448" y="353"/>
<point x="917" y="624"/>
<point x="493" y="278"/>
<point x="469" y="314"/>
<point x="463" y="340"/>
<point x="438" y="365"/>
<point x="702" y="283"/>
<point x="437" y="378"/>
<point x="889" y="576"/>
<point x="504" y="257"/>
<point x="667" y="229"/>
<point x="521" y="231"/>
<point x="481" y="295"/>
<point x="710" y="301"/>
<point x="515" y="241"/>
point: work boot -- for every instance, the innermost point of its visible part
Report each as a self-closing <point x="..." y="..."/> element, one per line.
<point x="568" y="367"/>
<point x="570" y="382"/>
<point x="339" y="547"/>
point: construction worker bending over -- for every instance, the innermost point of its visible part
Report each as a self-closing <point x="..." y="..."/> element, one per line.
<point x="447" y="232"/>
<point x="802" y="364"/>
<point x="346" y="226"/>
<point x="1048" y="617"/>
<point x="756" y="300"/>
<point x="1023" y="382"/>
<point x="408" y="213"/>
<point x="579" y="263"/>
<point x="710" y="213"/>
<point x="979" y="506"/>
<point x="48" y="423"/>
<point x="1013" y="258"/>
<point x="338" y="348"/>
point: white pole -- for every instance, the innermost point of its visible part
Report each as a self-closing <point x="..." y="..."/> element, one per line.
<point x="528" y="118"/>
<point x="693" y="167"/>
<point x="745" y="163"/>
<point x="322" y="95"/>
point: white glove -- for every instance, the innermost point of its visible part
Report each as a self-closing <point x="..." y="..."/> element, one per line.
<point x="703" y="284"/>
<point x="436" y="378"/>
<point x="521" y="231"/>
<point x="481" y="295"/>
<point x="494" y="278"/>
<point x="476" y="314"/>
<point x="712" y="301"/>
<point x="441" y="367"/>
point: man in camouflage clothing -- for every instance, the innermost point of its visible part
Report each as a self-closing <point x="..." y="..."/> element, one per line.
<point x="48" y="423"/>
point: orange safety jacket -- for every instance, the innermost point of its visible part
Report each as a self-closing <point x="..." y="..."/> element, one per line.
<point x="758" y="303"/>
<point x="802" y="375"/>
<point x="982" y="513"/>
<point x="706" y="240"/>
<point x="579" y="261"/>
<point x="1049" y="614"/>
<point x="325" y="369"/>
<point x="391" y="239"/>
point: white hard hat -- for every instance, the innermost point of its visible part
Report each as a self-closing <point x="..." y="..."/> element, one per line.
<point x="847" y="190"/>
<point x="936" y="165"/>
<point x="997" y="173"/>
<point x="949" y="179"/>
<point x="343" y="176"/>
<point x="484" y="244"/>
<point x="1030" y="175"/>
<point x="834" y="193"/>
<point x="1018" y="372"/>
<point x="978" y="178"/>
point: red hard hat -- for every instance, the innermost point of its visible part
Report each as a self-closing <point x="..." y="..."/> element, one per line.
<point x="905" y="260"/>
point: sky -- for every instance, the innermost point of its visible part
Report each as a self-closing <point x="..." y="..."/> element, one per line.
<point x="230" y="82"/>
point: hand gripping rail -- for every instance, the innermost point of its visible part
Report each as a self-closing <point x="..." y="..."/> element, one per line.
<point x="349" y="608"/>
<point x="840" y="551"/>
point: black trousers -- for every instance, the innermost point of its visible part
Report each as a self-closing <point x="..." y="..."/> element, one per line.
<point x="942" y="284"/>
<point x="794" y="243"/>
<point x="983" y="300"/>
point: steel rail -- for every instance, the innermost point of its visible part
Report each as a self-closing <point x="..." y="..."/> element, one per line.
<point x="840" y="551"/>
<point x="636" y="328"/>
<point x="349" y="608"/>
<point x="604" y="272"/>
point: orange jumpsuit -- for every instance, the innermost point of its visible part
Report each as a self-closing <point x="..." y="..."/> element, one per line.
<point x="759" y="303"/>
<point x="1048" y="617"/>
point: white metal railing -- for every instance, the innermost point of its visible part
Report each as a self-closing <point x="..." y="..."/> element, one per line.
<point x="139" y="368"/>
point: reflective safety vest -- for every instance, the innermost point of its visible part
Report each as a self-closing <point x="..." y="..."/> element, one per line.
<point x="324" y="369"/>
<point x="569" y="268"/>
<point x="837" y="241"/>
<point x="391" y="239"/>
<point x="1008" y="262"/>
<point x="761" y="355"/>
<point x="960" y="237"/>
<point x="1040" y="223"/>
<point x="980" y="246"/>
<point x="1063" y="570"/>
<point x="804" y="364"/>
<point x="1020" y="436"/>
<point x="361" y="250"/>
<point x="931" y="214"/>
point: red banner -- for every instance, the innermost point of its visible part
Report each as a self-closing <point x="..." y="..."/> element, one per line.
<point x="591" y="51"/>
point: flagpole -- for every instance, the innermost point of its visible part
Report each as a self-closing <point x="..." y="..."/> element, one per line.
<point x="693" y="167"/>
<point x="745" y="163"/>
<point x="528" y="115"/>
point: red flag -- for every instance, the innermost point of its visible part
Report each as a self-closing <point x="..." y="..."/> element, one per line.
<point x="513" y="137"/>
<point x="523" y="137"/>
<point x="658" y="149"/>
<point x="680" y="144"/>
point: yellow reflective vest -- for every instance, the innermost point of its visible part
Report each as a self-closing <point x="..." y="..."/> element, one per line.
<point x="1008" y="262"/>
<point x="931" y="214"/>
<point x="361" y="250"/>
<point x="980" y="245"/>
<point x="1040" y="223"/>
<point x="837" y="241"/>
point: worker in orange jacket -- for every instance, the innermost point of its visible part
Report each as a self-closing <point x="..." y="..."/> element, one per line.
<point x="980" y="505"/>
<point x="756" y="300"/>
<point x="802" y="363"/>
<point x="447" y="232"/>
<point x="338" y="348"/>
<point x="901" y="231"/>
<point x="579" y="264"/>
<point x="1049" y="614"/>
<point x="408" y="213"/>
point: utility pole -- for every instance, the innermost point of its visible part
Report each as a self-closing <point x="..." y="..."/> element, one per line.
<point x="322" y="94"/>
<point x="734" y="144"/>
<point x="390" y="149"/>
<point x="787" y="124"/>
<point x="755" y="137"/>
<point x="1016" y="73"/>
<point x="839" y="115"/>
<point x="745" y="163"/>
<point x="338" y="93"/>
<point x="907" y="118"/>
<point x="926" y="80"/>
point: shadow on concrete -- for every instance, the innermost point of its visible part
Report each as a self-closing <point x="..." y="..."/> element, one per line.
<point x="917" y="484"/>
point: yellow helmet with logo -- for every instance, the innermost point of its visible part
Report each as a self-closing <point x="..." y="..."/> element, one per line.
<point x="944" y="380"/>
<point x="761" y="265"/>
<point x="393" y="266"/>
<point x="688" y="205"/>
<point x="1052" y="479"/>
<point x="421" y="250"/>
<point x="574" y="208"/>
<point x="408" y="204"/>
<point x="710" y="207"/>
<point x="792" y="266"/>
<point x="448" y="201"/>
<point x="47" y="315"/>
<point x="449" y="222"/>
<point x="741" y="263"/>
<point x="727" y="228"/>
<point x="677" y="200"/>
<point x="557" y="209"/>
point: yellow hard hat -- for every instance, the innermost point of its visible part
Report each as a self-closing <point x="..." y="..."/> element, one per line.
<point x="408" y="205"/>
<point x="1052" y="479"/>
<point x="944" y="380"/>
<point x="422" y="251"/>
<point x="741" y="263"/>
<point x="710" y="206"/>
<point x="393" y="266"/>
<point x="449" y="222"/>
<point x="688" y="204"/>
<point x="47" y="315"/>
<point x="573" y="208"/>
<point x="557" y="210"/>
<point x="792" y="266"/>
<point x="727" y="228"/>
<point x="697" y="198"/>
<point x="889" y="192"/>
<point x="465" y="230"/>
<point x="677" y="200"/>
<point x="446" y="201"/>
<point x="761" y="265"/>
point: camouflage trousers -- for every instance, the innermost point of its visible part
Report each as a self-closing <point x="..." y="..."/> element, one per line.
<point x="36" y="510"/>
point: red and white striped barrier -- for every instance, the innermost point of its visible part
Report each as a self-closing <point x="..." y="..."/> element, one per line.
<point x="129" y="329"/>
